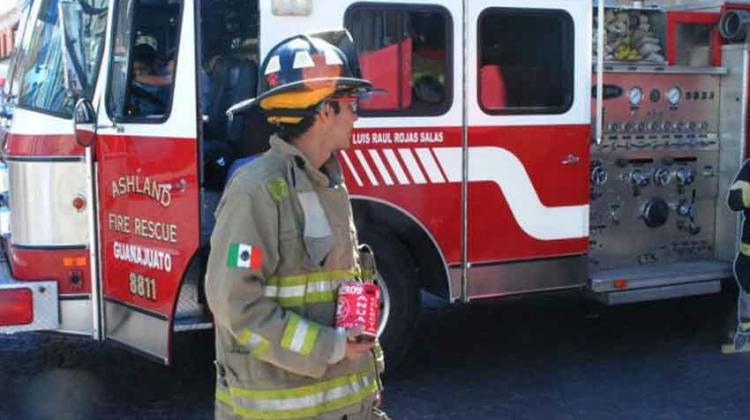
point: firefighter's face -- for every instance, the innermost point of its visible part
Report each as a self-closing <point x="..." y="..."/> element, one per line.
<point x="141" y="68"/>
<point x="343" y="114"/>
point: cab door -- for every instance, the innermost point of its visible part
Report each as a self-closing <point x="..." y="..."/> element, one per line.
<point x="528" y="99"/>
<point x="147" y="161"/>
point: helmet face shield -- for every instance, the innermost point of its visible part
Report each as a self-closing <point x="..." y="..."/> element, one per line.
<point x="302" y="71"/>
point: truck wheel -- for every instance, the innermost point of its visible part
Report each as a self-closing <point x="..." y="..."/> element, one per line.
<point x="401" y="299"/>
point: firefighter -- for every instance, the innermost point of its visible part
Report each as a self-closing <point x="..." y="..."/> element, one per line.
<point x="284" y="240"/>
<point x="739" y="200"/>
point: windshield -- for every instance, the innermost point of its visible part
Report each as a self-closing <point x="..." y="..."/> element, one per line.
<point x="19" y="50"/>
<point x="42" y="82"/>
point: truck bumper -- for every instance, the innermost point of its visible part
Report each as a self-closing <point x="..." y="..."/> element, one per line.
<point x="27" y="306"/>
<point x="646" y="283"/>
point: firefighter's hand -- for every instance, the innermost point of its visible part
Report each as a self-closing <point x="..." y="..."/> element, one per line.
<point x="355" y="346"/>
<point x="354" y="350"/>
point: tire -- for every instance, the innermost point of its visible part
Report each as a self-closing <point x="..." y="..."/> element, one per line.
<point x="400" y="290"/>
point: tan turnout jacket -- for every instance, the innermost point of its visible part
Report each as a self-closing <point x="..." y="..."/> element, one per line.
<point x="283" y="242"/>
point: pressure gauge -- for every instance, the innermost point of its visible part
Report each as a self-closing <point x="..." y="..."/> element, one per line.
<point x="635" y="96"/>
<point x="655" y="95"/>
<point x="674" y="95"/>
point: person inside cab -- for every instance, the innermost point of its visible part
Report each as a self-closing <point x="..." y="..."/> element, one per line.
<point x="150" y="82"/>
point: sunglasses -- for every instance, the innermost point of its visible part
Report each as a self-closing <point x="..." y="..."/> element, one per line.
<point x="351" y="101"/>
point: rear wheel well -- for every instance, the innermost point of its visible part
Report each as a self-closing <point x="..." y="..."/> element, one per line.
<point x="429" y="262"/>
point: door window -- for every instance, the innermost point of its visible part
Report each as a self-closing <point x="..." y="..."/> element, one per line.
<point x="144" y="58"/>
<point x="525" y="61"/>
<point x="407" y="53"/>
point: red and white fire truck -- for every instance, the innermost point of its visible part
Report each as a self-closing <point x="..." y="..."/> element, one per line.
<point x="521" y="146"/>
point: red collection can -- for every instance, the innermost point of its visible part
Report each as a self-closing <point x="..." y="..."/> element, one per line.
<point x="359" y="306"/>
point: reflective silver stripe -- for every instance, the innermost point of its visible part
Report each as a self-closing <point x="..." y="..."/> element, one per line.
<point x="254" y="341"/>
<point x="323" y="286"/>
<point x="308" y="288"/>
<point x="299" y="337"/>
<point x="302" y="402"/>
<point x="744" y="187"/>
<point x="285" y="291"/>
<point x="300" y="291"/>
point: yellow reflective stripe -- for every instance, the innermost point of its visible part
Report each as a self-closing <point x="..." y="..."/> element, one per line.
<point x="743" y="186"/>
<point x="745" y="249"/>
<point x="321" y="297"/>
<point x="307" y="401"/>
<point x="299" y="335"/>
<point x="378" y="351"/>
<point x="222" y="395"/>
<point x="379" y="358"/>
<point x="318" y="276"/>
<point x="317" y="287"/>
<point x="289" y="330"/>
<point x="253" y="341"/>
<point x="313" y="331"/>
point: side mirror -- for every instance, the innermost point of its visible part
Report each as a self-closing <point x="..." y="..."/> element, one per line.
<point x="84" y="122"/>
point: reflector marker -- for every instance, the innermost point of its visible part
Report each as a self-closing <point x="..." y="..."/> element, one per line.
<point x="302" y="60"/>
<point x="332" y="59"/>
<point x="366" y="167"/>
<point x="274" y="65"/>
<point x="396" y="166"/>
<point x="348" y="162"/>
<point x="412" y="166"/>
<point x="74" y="261"/>
<point x="381" y="167"/>
<point x="430" y="166"/>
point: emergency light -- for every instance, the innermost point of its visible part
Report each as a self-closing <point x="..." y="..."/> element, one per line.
<point x="291" y="7"/>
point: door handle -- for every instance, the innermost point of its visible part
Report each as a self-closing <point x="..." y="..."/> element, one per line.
<point x="571" y="160"/>
<point x="180" y="185"/>
<point x="177" y="186"/>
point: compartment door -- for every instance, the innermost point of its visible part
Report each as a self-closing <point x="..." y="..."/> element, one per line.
<point x="529" y="132"/>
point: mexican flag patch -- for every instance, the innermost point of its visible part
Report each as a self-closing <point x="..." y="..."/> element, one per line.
<point x="244" y="256"/>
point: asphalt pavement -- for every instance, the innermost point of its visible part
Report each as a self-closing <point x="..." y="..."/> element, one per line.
<point x="546" y="356"/>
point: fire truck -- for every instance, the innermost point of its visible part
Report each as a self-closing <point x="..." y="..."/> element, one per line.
<point x="518" y="146"/>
